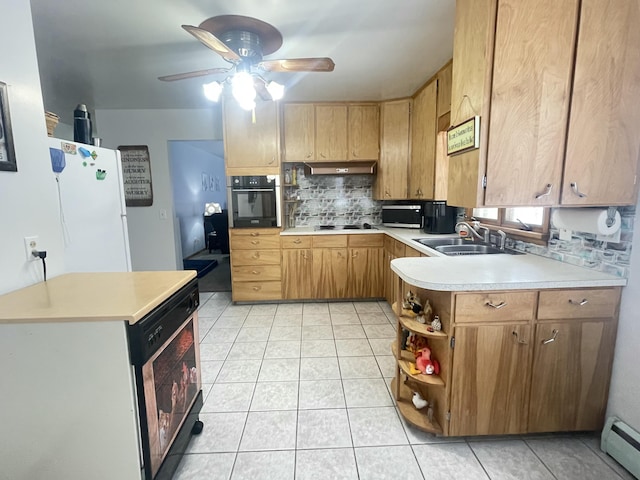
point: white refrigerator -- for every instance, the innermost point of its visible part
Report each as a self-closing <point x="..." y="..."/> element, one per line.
<point x="92" y="208"/>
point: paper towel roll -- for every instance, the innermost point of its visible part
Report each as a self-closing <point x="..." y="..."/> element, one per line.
<point x="589" y="220"/>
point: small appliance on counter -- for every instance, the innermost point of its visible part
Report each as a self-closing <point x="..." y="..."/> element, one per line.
<point x="439" y="217"/>
<point x="404" y="216"/>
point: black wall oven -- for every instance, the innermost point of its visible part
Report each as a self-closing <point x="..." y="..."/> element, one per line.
<point x="165" y="354"/>
<point x="254" y="201"/>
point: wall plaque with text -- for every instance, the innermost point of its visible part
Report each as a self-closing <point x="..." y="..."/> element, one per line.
<point x="464" y="137"/>
<point x="136" y="172"/>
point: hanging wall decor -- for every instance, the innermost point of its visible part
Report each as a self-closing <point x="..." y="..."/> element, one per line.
<point x="7" y="151"/>
<point x="136" y="172"/>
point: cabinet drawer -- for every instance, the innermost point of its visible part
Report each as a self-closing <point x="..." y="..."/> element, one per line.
<point x="329" y="241"/>
<point x="494" y="307"/>
<point x="365" y="240"/>
<point x="255" y="257"/>
<point x="256" y="291"/>
<point x="583" y="303"/>
<point x="256" y="273"/>
<point x="245" y="243"/>
<point x="254" y="232"/>
<point x="302" y="241"/>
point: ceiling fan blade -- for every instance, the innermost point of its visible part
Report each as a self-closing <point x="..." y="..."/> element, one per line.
<point x="198" y="73"/>
<point x="323" y="64"/>
<point x="209" y="40"/>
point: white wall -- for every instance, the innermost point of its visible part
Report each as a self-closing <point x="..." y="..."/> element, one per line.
<point x="624" y="395"/>
<point x="153" y="238"/>
<point x="28" y="196"/>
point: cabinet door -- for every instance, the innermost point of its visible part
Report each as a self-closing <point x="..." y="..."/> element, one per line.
<point x="444" y="97"/>
<point x="365" y="272"/>
<point x="570" y="377"/>
<point x="533" y="59"/>
<point x="251" y="145"/>
<point x="330" y="272"/>
<point x="297" y="273"/>
<point x="299" y="132"/>
<point x="390" y="279"/>
<point x="423" y="143"/>
<point x="603" y="143"/>
<point x="331" y="132"/>
<point x="364" y="132"/>
<point x="489" y="390"/>
<point x="391" y="180"/>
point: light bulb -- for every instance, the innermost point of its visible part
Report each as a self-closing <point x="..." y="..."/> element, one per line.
<point x="275" y="90"/>
<point x="212" y="91"/>
<point x="243" y="90"/>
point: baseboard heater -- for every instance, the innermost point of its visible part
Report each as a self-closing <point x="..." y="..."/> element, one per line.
<point x="623" y="444"/>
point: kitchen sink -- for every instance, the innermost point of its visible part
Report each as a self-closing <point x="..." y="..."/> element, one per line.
<point x="460" y="246"/>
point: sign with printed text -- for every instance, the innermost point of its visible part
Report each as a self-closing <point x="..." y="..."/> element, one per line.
<point x="136" y="173"/>
<point x="464" y="137"/>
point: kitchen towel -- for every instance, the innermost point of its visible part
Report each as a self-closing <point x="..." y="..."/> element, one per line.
<point x="588" y="220"/>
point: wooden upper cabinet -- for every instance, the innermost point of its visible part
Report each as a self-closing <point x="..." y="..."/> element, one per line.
<point x="444" y="96"/>
<point x="299" y="132"/>
<point x="532" y="68"/>
<point x="391" y="180"/>
<point x="423" y="143"/>
<point x="331" y="132"/>
<point x="251" y="147"/>
<point x="364" y="132"/>
<point x="603" y="144"/>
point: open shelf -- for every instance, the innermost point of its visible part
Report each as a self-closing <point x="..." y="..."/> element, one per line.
<point x="411" y="414"/>
<point x="414" y="326"/>
<point x="405" y="361"/>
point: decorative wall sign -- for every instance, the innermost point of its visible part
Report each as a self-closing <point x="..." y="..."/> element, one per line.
<point x="7" y="151"/>
<point x="136" y="171"/>
<point x="464" y="137"/>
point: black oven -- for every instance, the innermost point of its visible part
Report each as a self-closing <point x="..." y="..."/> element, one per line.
<point x="165" y="354"/>
<point x="254" y="201"/>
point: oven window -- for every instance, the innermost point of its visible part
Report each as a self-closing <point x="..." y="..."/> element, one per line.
<point x="255" y="204"/>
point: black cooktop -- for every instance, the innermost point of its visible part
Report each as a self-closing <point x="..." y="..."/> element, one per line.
<point x="364" y="226"/>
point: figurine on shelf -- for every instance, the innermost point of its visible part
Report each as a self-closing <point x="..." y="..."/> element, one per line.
<point x="436" y="325"/>
<point x="425" y="363"/>
<point x="287" y="177"/>
<point x="412" y="306"/>
<point x="418" y="401"/>
<point x="427" y="311"/>
<point x="415" y="343"/>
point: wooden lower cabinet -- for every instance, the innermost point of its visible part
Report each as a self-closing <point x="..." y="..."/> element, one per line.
<point x="330" y="273"/>
<point x="490" y="381"/>
<point x="365" y="272"/>
<point x="297" y="273"/>
<point x="570" y="375"/>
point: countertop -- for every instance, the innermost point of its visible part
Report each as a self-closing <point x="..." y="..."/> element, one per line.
<point x="498" y="272"/>
<point x="75" y="297"/>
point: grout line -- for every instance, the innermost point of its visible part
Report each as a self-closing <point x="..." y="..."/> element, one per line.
<point x="477" y="459"/>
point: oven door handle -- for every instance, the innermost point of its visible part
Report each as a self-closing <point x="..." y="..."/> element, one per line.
<point x="253" y="190"/>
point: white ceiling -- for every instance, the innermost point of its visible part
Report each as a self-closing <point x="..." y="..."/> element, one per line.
<point x="109" y="53"/>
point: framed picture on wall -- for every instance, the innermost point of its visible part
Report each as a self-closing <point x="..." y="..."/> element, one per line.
<point x="7" y="151"/>
<point x="136" y="173"/>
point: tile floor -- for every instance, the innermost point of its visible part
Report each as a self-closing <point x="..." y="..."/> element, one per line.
<point x="301" y="391"/>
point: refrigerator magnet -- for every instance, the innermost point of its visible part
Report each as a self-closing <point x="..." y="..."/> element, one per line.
<point x="100" y="174"/>
<point x="69" y="148"/>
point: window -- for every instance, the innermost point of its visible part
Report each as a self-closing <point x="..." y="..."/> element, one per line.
<point x="530" y="223"/>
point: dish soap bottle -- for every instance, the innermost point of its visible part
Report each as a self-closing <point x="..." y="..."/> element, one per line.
<point x="287" y="177"/>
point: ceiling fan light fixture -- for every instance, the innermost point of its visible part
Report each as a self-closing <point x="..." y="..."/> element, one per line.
<point x="243" y="90"/>
<point x="275" y="90"/>
<point x="212" y="90"/>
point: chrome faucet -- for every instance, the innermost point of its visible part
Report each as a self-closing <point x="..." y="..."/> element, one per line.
<point x="473" y="231"/>
<point x="503" y="239"/>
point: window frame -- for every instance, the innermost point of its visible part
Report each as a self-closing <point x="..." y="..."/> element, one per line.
<point x="539" y="234"/>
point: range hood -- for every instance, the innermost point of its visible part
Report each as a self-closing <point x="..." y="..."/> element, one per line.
<point x="341" y="168"/>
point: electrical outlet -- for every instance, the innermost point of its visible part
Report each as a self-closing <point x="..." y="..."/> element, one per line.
<point x="31" y="244"/>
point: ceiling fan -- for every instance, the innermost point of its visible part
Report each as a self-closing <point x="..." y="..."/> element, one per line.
<point x="243" y="41"/>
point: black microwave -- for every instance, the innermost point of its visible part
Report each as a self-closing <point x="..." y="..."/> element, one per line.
<point x="405" y="216"/>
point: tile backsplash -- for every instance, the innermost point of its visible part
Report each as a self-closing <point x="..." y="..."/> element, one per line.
<point x="585" y="250"/>
<point x="331" y="200"/>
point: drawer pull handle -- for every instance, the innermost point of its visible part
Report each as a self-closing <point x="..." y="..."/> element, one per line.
<point x="256" y="255"/>
<point x="255" y="234"/>
<point x="297" y="240"/>
<point x="574" y="189"/>
<point x="554" y="334"/>
<point x="255" y="272"/>
<point x="256" y="288"/>
<point x="354" y="255"/>
<point x="489" y="303"/>
<point x="255" y="242"/>
<point x="522" y="342"/>
<point x="546" y="192"/>
<point x="582" y="302"/>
